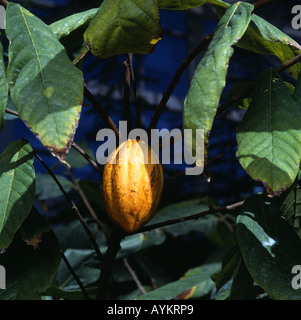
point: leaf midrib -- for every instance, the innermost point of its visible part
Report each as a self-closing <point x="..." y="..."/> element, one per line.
<point x="40" y="68"/>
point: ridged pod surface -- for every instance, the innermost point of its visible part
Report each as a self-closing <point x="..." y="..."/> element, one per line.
<point x="131" y="186"/>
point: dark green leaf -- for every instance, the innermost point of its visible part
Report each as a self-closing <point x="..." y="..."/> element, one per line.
<point x="270" y="247"/>
<point x="47" y="188"/>
<point x="229" y="264"/>
<point x="31" y="260"/>
<point x="242" y="285"/>
<point x="17" y="178"/>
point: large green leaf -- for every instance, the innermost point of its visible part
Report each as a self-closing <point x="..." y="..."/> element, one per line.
<point x="31" y="260"/>
<point x="209" y="78"/>
<point x="187" y="4"/>
<point x="269" y="136"/>
<point x="46" y="88"/>
<point x="3" y="88"/>
<point x="17" y="180"/>
<point x="270" y="247"/>
<point x="119" y="27"/>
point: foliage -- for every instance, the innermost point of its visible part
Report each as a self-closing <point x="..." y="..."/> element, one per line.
<point x="242" y="251"/>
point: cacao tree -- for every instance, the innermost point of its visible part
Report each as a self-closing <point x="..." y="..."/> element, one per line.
<point x="250" y="249"/>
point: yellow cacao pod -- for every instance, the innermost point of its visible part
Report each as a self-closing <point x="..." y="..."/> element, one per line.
<point x="131" y="185"/>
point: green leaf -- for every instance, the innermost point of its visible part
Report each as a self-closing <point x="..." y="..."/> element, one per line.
<point x="120" y="27"/>
<point x="30" y="265"/>
<point x="17" y="178"/>
<point x="46" y="88"/>
<point x="242" y="285"/>
<point x="297" y="91"/>
<point x="264" y="38"/>
<point x="208" y="81"/>
<point x="269" y="136"/>
<point x="229" y="264"/>
<point x="270" y="247"/>
<point x="171" y="290"/>
<point x="205" y="287"/>
<point x="70" y="30"/>
<point x="62" y="28"/>
<point x="3" y="88"/>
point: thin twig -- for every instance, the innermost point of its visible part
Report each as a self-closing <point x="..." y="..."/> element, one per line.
<point x="4" y="3"/>
<point x="127" y="93"/>
<point x="289" y="63"/>
<point x="137" y="106"/>
<point x="261" y="3"/>
<point x="191" y="217"/>
<point x="100" y="110"/>
<point x="134" y="276"/>
<point x="87" y="157"/>
<point x="87" y="203"/>
<point x="176" y="78"/>
<point x="76" y="278"/>
<point x="73" y="207"/>
<point x="13" y="112"/>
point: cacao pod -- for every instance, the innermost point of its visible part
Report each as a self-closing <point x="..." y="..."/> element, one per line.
<point x="131" y="186"/>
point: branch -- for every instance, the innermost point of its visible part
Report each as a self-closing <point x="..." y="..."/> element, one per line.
<point x="87" y="203"/>
<point x="4" y="3"/>
<point x="107" y="265"/>
<point x="192" y="217"/>
<point x="100" y="110"/>
<point x="166" y="95"/>
<point x="134" y="276"/>
<point x="127" y="93"/>
<point x="137" y="107"/>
